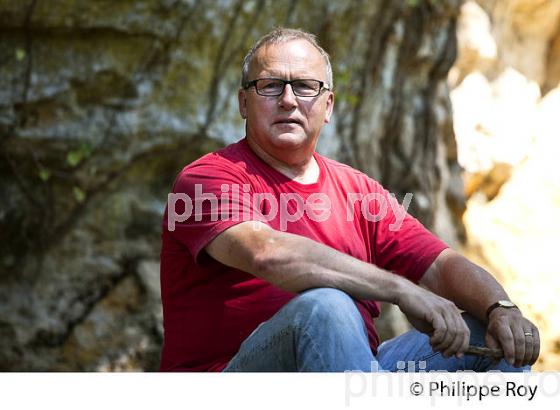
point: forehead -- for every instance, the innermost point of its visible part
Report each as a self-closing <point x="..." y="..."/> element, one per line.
<point x="289" y="59"/>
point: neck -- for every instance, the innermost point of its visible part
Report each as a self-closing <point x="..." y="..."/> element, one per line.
<point x="304" y="170"/>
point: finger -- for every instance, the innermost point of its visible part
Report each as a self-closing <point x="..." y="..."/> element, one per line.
<point x="519" y="341"/>
<point x="440" y="328"/>
<point x="529" y="343"/>
<point x="444" y="336"/>
<point x="505" y="339"/>
<point x="491" y="341"/>
<point x="536" y="346"/>
<point x="450" y="335"/>
<point x="466" y="338"/>
<point x="455" y="346"/>
<point x="461" y="339"/>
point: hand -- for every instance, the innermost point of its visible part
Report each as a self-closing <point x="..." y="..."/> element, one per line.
<point x="437" y="317"/>
<point x="515" y="335"/>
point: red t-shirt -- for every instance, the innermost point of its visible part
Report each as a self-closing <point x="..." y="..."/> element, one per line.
<point x="210" y="308"/>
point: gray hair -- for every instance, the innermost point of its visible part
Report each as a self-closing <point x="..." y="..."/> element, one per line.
<point x="281" y="35"/>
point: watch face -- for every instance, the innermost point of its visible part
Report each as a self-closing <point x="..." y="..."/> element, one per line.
<point x="506" y="303"/>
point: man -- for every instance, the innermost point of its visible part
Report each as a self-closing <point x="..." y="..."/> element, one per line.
<point x="274" y="257"/>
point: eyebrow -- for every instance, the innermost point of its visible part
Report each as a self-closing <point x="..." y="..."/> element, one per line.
<point x="298" y="76"/>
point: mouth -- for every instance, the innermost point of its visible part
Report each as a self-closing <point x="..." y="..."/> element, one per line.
<point x="287" y="121"/>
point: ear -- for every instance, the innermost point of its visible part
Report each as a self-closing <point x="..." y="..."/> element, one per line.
<point x="242" y="99"/>
<point x="330" y="107"/>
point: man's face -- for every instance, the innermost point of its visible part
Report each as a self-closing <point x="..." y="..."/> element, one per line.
<point x="286" y="122"/>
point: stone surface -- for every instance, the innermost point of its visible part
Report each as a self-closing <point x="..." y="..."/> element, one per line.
<point x="522" y="29"/>
<point x="103" y="102"/>
<point x="506" y="109"/>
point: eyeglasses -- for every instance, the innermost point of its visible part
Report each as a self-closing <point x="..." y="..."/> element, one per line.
<point x="273" y="87"/>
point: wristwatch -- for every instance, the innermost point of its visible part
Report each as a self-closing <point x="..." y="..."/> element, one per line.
<point x="506" y="304"/>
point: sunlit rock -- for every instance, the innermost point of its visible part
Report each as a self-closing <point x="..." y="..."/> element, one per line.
<point x="506" y="123"/>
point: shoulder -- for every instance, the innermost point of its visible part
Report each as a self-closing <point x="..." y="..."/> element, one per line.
<point x="227" y="165"/>
<point x="340" y="171"/>
<point x="231" y="157"/>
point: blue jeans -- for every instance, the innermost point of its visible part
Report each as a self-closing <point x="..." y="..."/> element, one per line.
<point x="321" y="330"/>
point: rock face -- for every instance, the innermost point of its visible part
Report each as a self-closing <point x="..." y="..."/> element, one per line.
<point x="102" y="103"/>
<point x="506" y="100"/>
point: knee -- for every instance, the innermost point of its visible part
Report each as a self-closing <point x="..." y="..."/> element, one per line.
<point x="326" y="304"/>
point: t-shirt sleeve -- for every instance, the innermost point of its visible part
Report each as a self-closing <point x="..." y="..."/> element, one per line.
<point x="207" y="199"/>
<point x="401" y="243"/>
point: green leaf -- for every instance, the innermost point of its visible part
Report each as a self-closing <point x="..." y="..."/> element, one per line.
<point x="79" y="195"/>
<point x="86" y="149"/>
<point x="20" y="54"/>
<point x="352" y="99"/>
<point x="74" y="157"/>
<point x="44" y="174"/>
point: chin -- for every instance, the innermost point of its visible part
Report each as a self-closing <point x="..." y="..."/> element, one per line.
<point x="288" y="140"/>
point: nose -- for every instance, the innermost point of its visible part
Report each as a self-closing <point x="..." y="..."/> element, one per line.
<point x="288" y="99"/>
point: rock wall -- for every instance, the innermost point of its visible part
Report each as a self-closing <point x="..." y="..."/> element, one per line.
<point x="103" y="102"/>
<point x="506" y="100"/>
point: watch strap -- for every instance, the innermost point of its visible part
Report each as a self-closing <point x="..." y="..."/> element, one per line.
<point x="500" y="303"/>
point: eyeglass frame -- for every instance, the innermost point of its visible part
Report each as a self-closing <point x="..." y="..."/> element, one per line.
<point x="322" y="86"/>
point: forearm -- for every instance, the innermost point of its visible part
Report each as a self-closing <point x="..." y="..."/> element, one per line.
<point x="295" y="263"/>
<point x="466" y="284"/>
